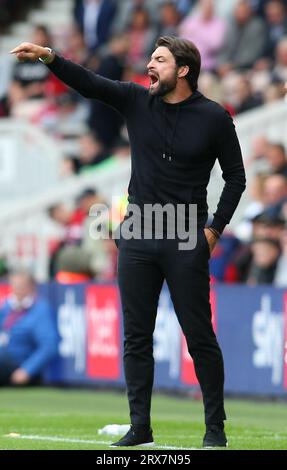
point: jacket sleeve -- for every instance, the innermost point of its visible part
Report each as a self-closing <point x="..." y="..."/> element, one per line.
<point x="45" y="339"/>
<point x="91" y="85"/>
<point x="230" y="159"/>
<point x="3" y="311"/>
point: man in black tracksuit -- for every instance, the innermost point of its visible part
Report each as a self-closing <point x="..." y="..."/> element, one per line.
<point x="176" y="135"/>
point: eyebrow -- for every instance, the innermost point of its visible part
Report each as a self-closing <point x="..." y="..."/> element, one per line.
<point x="157" y="57"/>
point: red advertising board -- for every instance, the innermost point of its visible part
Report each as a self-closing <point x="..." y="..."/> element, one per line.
<point x="103" y="332"/>
<point x="188" y="375"/>
<point x="4" y="291"/>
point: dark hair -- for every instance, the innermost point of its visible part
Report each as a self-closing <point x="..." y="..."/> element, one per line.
<point x="270" y="241"/>
<point x="185" y="53"/>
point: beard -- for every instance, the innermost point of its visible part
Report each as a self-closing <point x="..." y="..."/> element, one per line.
<point x="164" y="87"/>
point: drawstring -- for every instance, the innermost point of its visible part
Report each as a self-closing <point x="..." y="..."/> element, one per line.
<point x="164" y="155"/>
<point x="174" y="129"/>
<point x="169" y="155"/>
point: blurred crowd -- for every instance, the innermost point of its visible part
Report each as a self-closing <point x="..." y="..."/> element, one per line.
<point x="243" y="44"/>
<point x="14" y="10"/>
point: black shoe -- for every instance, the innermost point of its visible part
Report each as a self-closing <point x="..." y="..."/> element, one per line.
<point x="135" y="438"/>
<point x="214" y="436"/>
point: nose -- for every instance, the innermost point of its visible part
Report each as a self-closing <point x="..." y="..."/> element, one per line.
<point x="149" y="65"/>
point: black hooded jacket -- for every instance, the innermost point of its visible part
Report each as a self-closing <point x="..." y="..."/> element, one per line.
<point x="173" y="146"/>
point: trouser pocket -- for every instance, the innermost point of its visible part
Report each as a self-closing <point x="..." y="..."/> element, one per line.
<point x="206" y="244"/>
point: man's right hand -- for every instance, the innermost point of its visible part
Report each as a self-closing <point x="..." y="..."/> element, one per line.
<point x="28" y="51"/>
<point x="20" y="377"/>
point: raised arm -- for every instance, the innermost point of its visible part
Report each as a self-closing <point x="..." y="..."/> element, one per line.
<point x="87" y="83"/>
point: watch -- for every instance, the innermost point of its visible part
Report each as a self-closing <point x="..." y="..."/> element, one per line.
<point x="46" y="59"/>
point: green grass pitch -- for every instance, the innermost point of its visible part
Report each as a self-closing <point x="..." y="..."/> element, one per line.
<point x="48" y="419"/>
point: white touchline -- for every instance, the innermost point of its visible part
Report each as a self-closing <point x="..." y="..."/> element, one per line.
<point x="55" y="439"/>
<point x="240" y="438"/>
<point x="84" y="441"/>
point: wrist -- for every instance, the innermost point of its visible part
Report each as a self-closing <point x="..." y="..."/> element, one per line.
<point x="48" y="56"/>
<point x="214" y="232"/>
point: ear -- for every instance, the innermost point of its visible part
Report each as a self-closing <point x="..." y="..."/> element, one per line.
<point x="183" y="71"/>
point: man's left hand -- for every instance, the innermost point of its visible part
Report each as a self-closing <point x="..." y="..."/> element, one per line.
<point x="20" y="377"/>
<point x="211" y="239"/>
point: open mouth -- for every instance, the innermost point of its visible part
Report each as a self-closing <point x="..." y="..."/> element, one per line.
<point x="154" y="79"/>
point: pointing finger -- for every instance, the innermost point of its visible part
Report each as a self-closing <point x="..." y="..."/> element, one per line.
<point x="24" y="47"/>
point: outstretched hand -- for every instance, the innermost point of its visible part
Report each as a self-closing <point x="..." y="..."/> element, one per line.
<point x="28" y="51"/>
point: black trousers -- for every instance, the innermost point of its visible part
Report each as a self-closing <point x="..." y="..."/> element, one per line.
<point x="142" y="267"/>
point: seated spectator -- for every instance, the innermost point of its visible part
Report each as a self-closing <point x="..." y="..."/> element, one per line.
<point x="245" y="40"/>
<point x="263" y="226"/>
<point x="260" y="77"/>
<point x="267" y="225"/>
<point x="279" y="72"/>
<point x="75" y="48"/>
<point x="125" y="9"/>
<point x="265" y="256"/>
<point x="229" y="89"/>
<point x="91" y="152"/>
<point x="104" y="120"/>
<point x="28" y="337"/>
<point x="86" y="200"/>
<point x="259" y="6"/>
<point x="274" y="92"/>
<point x="63" y="115"/>
<point x="276" y="158"/>
<point x="94" y="18"/>
<point x="275" y="13"/>
<point x="86" y="255"/>
<point x="245" y="99"/>
<point x="211" y="87"/>
<point x="275" y="193"/>
<point x="70" y="220"/>
<point x="30" y="78"/>
<point x="206" y="30"/>
<point x="184" y="6"/>
<point x="142" y="36"/>
<point x="71" y="224"/>
<point x="259" y="146"/>
<point x="169" y="19"/>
